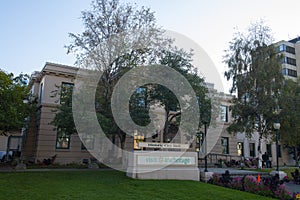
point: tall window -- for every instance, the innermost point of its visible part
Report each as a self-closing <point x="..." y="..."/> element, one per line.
<point x="240" y="148"/>
<point x="141" y="95"/>
<point x="224" y="113"/>
<point x="62" y="140"/>
<point x="252" y="149"/>
<point x="225" y="145"/>
<point x="41" y="92"/>
<point x="66" y="93"/>
<point x="281" y="48"/>
<point x="269" y="150"/>
<point x="63" y="136"/>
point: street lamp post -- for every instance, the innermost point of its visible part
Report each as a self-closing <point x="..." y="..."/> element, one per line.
<point x="277" y="127"/>
<point x="205" y="147"/>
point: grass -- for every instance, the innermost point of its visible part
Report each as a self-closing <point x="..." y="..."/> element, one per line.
<point x="107" y="184"/>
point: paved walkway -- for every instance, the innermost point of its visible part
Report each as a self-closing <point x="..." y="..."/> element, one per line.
<point x="292" y="187"/>
<point x="233" y="171"/>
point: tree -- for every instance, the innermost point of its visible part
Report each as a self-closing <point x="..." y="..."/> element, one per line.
<point x="107" y="19"/>
<point x="109" y="41"/>
<point x="14" y="95"/>
<point x="290" y="117"/>
<point x="255" y="71"/>
<point x="181" y="62"/>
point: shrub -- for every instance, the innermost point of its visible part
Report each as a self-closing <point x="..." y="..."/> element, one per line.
<point x="250" y="184"/>
<point x="282" y="194"/>
<point x="215" y="180"/>
<point x="237" y="183"/>
<point x="269" y="187"/>
<point x="296" y="195"/>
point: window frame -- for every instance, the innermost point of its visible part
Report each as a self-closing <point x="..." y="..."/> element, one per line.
<point x="41" y="92"/>
<point x="224" y="115"/>
<point x="252" y="153"/>
<point x="240" y="144"/>
<point x="290" y="49"/>
<point x="62" y="89"/>
<point x="225" y="146"/>
<point x="269" y="149"/>
<point x="68" y="137"/>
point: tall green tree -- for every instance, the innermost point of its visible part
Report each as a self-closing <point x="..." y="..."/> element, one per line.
<point x="14" y="104"/>
<point x="181" y="62"/>
<point x="108" y="19"/>
<point x="254" y="69"/>
<point x="290" y="117"/>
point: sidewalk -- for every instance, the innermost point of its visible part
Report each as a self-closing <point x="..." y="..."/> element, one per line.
<point x="292" y="187"/>
<point x="234" y="171"/>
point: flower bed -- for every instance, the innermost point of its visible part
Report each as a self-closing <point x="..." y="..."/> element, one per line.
<point x="266" y="186"/>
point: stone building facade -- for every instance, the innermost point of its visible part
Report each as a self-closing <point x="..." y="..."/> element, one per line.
<point x="41" y="140"/>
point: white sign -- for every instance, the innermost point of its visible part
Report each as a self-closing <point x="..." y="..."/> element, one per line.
<point x="165" y="160"/>
<point x="163" y="145"/>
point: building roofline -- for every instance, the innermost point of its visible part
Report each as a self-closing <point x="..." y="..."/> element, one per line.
<point x="59" y="65"/>
<point x="295" y="40"/>
<point x="56" y="68"/>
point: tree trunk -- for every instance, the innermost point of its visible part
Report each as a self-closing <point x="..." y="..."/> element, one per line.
<point x="166" y="128"/>
<point x="122" y="138"/>
<point x="296" y="156"/>
<point x="259" y="163"/>
<point x="259" y="152"/>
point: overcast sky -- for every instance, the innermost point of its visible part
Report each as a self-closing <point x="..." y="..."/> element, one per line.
<point x="33" y="32"/>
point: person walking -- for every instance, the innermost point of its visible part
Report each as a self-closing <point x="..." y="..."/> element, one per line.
<point x="266" y="160"/>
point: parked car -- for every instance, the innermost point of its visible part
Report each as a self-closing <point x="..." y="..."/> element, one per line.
<point x="3" y="155"/>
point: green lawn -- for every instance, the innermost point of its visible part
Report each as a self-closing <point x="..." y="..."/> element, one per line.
<point x="107" y="184"/>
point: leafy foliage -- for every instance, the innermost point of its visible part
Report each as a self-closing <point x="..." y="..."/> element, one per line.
<point x="110" y="18"/>
<point x="255" y="70"/>
<point x="181" y="61"/>
<point x="14" y="95"/>
<point x="290" y="117"/>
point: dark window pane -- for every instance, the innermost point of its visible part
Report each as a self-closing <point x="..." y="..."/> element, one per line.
<point x="225" y="145"/>
<point x="269" y="150"/>
<point x="62" y="141"/>
<point x="252" y="149"/>
<point x="290" y="49"/>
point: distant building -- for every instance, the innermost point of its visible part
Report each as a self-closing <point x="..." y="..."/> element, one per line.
<point x="291" y="57"/>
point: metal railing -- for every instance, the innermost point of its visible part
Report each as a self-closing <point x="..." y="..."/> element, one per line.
<point x="221" y="160"/>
